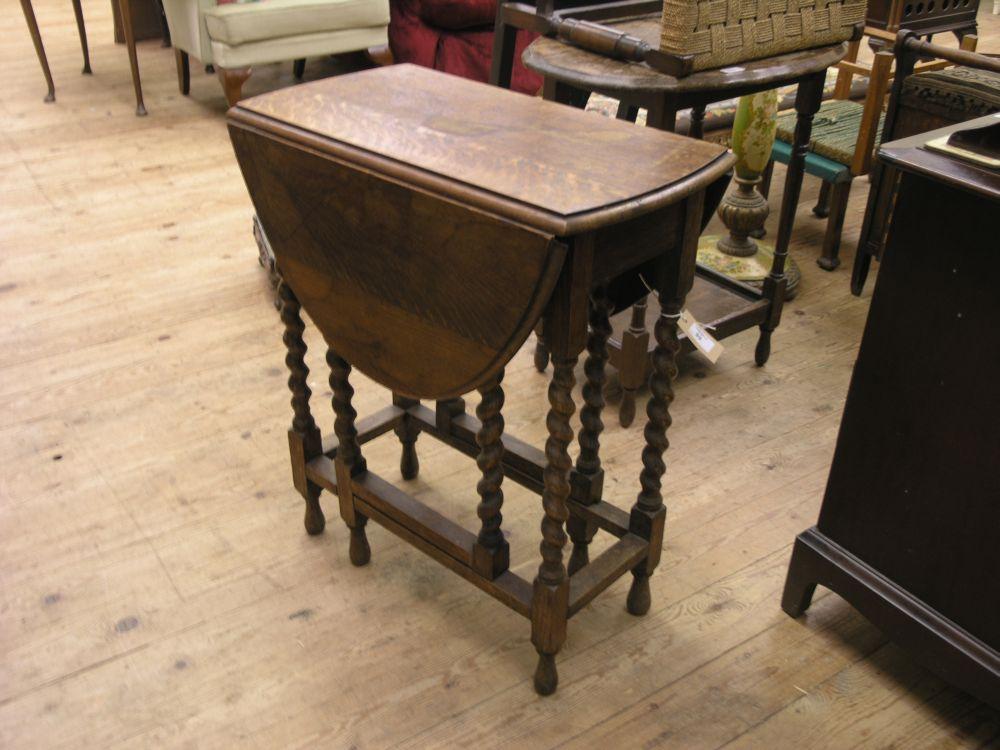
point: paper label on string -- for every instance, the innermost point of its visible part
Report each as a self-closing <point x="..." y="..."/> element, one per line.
<point x="700" y="337"/>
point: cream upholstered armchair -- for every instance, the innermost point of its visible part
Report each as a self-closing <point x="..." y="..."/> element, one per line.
<point x="235" y="36"/>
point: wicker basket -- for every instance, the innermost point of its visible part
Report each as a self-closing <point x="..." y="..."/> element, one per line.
<point x="723" y="32"/>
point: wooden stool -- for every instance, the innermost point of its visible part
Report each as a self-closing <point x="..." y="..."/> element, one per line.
<point x="426" y="223"/>
<point x="572" y="73"/>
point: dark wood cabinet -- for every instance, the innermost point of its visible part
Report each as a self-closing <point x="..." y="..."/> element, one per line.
<point x="909" y="530"/>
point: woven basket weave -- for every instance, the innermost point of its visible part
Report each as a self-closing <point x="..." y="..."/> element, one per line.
<point x="724" y="32"/>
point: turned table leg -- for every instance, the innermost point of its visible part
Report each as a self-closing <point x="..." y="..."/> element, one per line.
<point x="348" y="462"/>
<point x="807" y="102"/>
<point x="673" y="280"/>
<point x="588" y="462"/>
<point x="550" y="601"/>
<point x="407" y="432"/>
<point x="304" y="439"/>
<point x="635" y="351"/>
<point x="491" y="554"/>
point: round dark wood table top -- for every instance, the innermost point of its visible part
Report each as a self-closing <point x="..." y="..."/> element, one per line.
<point x="593" y="72"/>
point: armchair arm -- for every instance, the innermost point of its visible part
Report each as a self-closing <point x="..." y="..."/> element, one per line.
<point x="186" y="21"/>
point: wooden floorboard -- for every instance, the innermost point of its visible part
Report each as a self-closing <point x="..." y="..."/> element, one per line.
<point x="156" y="585"/>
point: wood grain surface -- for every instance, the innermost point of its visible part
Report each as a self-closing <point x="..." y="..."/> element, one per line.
<point x="157" y="587"/>
<point x="516" y="147"/>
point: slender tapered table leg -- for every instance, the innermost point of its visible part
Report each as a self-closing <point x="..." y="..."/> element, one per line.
<point x="36" y="37"/>
<point x="126" y="13"/>
<point x="588" y="462"/>
<point x="78" y="12"/>
<point x="304" y="440"/>
<point x="807" y="102"/>
<point x="348" y="462"/>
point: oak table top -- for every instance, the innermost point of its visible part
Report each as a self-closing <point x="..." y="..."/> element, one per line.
<point x="523" y="158"/>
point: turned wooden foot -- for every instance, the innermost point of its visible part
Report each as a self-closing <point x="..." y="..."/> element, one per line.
<point x="822" y="207"/>
<point x="232" y="80"/>
<point x="407" y="432"/>
<point x="546" y="675"/>
<point x="639" y="598"/>
<point x="626" y="409"/>
<point x="299" y="68"/>
<point x="360" y="553"/>
<point x="763" y="351"/>
<point x="315" y="521"/>
<point x="830" y="259"/>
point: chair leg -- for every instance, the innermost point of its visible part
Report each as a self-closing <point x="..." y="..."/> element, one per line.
<point x="78" y="12"/>
<point x="36" y="37"/>
<point x="125" y="9"/>
<point x="839" y="194"/>
<point x="822" y="207"/>
<point x="299" y="68"/>
<point x="232" y="80"/>
<point x="183" y="71"/>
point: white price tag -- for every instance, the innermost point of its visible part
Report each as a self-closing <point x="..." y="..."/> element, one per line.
<point x="700" y="337"/>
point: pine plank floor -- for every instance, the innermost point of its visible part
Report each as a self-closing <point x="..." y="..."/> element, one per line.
<point x="156" y="585"/>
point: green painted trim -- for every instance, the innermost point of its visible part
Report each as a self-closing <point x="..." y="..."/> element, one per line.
<point x="816" y="165"/>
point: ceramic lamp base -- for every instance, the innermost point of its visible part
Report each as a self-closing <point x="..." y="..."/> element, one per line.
<point x="749" y="269"/>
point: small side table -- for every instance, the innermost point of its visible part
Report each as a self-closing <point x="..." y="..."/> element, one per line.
<point x="727" y="306"/>
<point x="426" y="223"/>
<point x="126" y="14"/>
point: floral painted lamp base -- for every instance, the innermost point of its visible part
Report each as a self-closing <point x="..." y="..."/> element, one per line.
<point x="744" y="210"/>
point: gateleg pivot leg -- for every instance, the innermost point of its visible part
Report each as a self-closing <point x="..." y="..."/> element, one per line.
<point x="588" y="462"/>
<point x="674" y="277"/>
<point x="304" y="441"/>
<point x="491" y="554"/>
<point x="348" y="461"/>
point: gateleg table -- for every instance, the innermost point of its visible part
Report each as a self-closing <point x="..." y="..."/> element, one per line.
<point x="426" y="224"/>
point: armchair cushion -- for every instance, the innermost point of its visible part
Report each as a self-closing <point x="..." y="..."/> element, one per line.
<point x="241" y="23"/>
<point x="457" y="14"/>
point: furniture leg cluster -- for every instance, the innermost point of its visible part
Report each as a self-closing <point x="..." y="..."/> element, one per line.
<point x="434" y="292"/>
<point x="571" y="494"/>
